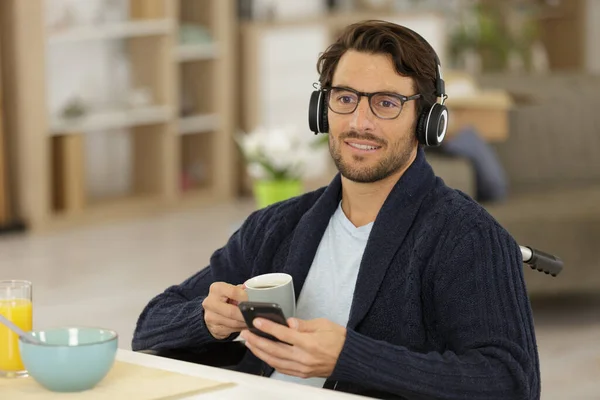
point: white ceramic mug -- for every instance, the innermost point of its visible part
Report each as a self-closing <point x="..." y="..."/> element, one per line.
<point x="273" y="288"/>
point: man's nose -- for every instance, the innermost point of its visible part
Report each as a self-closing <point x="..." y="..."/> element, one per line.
<point x="362" y="117"/>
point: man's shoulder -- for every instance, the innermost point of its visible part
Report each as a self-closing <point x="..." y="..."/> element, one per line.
<point x="452" y="224"/>
<point x="461" y="213"/>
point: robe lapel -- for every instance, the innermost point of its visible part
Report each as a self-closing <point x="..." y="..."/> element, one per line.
<point x="389" y="231"/>
<point x="309" y="232"/>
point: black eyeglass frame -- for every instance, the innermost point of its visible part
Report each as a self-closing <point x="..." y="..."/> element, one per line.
<point x="402" y="98"/>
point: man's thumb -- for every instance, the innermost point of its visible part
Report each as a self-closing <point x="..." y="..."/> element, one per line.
<point x="301" y="325"/>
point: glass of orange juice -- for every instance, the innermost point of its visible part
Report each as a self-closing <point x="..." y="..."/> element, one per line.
<point x="15" y="305"/>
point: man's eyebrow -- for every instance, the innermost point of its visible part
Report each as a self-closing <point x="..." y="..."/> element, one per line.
<point x="344" y="87"/>
<point x="391" y="91"/>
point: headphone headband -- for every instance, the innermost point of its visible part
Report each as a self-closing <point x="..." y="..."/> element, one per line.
<point x="440" y="86"/>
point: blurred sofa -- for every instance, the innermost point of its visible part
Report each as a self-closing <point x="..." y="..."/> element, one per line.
<point x="552" y="163"/>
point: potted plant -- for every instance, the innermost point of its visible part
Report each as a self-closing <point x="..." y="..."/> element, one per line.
<point x="279" y="159"/>
<point x="502" y="34"/>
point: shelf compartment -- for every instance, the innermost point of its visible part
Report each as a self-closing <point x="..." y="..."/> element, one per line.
<point x="198" y="92"/>
<point x="91" y="170"/>
<point x="100" y="121"/>
<point x="198" y="124"/>
<point x="123" y="30"/>
<point x="197" y="160"/>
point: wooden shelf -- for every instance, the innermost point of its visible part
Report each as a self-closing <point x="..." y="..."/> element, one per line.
<point x="113" y="120"/>
<point x="198" y="124"/>
<point x="123" y="30"/>
<point x="195" y="52"/>
<point x="197" y="197"/>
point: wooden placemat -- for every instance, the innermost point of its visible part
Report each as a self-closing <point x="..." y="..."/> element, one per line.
<point x="125" y="381"/>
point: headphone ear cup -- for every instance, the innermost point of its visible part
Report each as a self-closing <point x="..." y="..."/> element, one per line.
<point x="422" y="126"/>
<point x="437" y="124"/>
<point x="432" y="125"/>
<point x="317" y="112"/>
<point x="324" y="117"/>
<point x="314" y="112"/>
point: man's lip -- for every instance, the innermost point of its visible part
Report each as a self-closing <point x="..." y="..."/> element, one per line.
<point x="362" y="142"/>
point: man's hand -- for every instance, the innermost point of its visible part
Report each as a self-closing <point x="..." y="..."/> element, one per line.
<point x="313" y="350"/>
<point x="221" y="314"/>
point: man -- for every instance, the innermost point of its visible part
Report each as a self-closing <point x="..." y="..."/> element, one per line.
<point x="406" y="288"/>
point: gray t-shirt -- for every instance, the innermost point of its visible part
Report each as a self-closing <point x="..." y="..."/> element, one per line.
<point x="329" y="287"/>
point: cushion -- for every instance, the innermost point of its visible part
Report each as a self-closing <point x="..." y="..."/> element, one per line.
<point x="491" y="181"/>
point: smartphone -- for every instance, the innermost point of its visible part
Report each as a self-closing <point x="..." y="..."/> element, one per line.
<point x="270" y="311"/>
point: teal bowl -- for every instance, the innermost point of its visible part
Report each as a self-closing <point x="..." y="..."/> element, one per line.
<point x="70" y="359"/>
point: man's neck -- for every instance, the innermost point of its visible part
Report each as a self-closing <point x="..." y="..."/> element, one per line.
<point x="361" y="202"/>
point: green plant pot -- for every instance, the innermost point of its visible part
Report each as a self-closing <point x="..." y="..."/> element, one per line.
<point x="270" y="192"/>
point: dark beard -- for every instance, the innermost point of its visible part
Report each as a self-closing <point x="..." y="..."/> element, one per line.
<point x="394" y="162"/>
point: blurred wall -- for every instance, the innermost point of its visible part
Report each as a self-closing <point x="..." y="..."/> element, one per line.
<point x="592" y="47"/>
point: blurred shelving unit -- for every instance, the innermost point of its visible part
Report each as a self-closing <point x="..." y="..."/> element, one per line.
<point x="182" y="151"/>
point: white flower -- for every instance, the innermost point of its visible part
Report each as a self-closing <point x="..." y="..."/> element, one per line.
<point x="257" y="171"/>
<point x="252" y="143"/>
<point x="281" y="153"/>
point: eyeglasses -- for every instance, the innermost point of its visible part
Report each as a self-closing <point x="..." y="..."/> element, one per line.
<point x="384" y="105"/>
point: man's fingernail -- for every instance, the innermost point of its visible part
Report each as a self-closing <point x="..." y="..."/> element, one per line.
<point x="293" y="323"/>
<point x="257" y="323"/>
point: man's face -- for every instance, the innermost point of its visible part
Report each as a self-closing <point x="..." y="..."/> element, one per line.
<point x="364" y="147"/>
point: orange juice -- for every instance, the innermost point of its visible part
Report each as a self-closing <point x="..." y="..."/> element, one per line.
<point x="18" y="311"/>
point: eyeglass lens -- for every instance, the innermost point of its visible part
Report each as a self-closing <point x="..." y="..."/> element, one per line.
<point x="383" y="105"/>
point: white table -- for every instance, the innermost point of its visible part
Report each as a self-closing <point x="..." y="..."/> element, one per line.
<point x="247" y="387"/>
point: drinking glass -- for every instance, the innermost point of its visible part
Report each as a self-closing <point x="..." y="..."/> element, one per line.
<point x="16" y="306"/>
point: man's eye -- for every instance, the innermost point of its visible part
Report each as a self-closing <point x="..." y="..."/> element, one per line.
<point x="345" y="99"/>
<point x="388" y="104"/>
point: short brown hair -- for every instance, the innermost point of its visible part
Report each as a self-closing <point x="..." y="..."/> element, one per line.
<point x="411" y="56"/>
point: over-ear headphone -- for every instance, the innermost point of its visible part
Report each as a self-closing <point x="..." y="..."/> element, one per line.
<point x="432" y="122"/>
